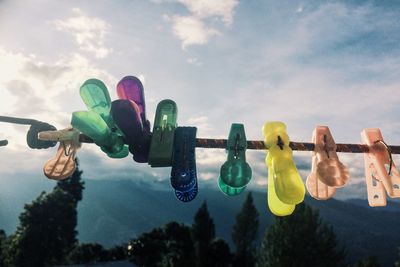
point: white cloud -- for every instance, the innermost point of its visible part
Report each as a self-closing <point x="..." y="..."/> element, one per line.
<point x="191" y="30"/>
<point x="89" y="32"/>
<point x="211" y="8"/>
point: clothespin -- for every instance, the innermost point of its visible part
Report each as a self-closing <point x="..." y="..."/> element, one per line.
<point x="3" y="142"/>
<point x="63" y="164"/>
<point x="183" y="172"/>
<point x="92" y="124"/>
<point x="162" y="140"/>
<point x="105" y="134"/>
<point x="131" y="88"/>
<point x="327" y="172"/>
<point x="126" y="115"/>
<point x="96" y="97"/>
<point x="235" y="173"/>
<point x="381" y="172"/>
<point x="285" y="187"/>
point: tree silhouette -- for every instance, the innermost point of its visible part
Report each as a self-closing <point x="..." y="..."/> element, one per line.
<point x="368" y="262"/>
<point x="300" y="240"/>
<point x="245" y="232"/>
<point x="203" y="232"/>
<point x="46" y="233"/>
<point x="88" y="253"/>
<point x="170" y="245"/>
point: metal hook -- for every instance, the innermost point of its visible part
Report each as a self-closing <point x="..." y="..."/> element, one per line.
<point x="390" y="155"/>
<point x="66" y="152"/>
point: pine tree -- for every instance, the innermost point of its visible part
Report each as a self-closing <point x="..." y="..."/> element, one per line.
<point x="203" y="232"/>
<point x="46" y="233"/>
<point x="245" y="232"/>
<point x="301" y="239"/>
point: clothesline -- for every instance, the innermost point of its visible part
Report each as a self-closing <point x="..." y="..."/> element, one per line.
<point x="221" y="143"/>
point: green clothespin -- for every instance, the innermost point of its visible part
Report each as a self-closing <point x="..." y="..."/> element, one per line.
<point x="162" y="140"/>
<point x="96" y="97"/>
<point x="235" y="173"/>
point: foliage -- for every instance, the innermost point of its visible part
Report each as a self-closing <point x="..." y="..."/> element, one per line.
<point x="245" y="233"/>
<point x="46" y="233"/>
<point x="368" y="262"/>
<point x="301" y="239"/>
<point x="170" y="245"/>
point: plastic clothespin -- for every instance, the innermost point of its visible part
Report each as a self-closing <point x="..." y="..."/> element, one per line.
<point x="381" y="173"/>
<point x="327" y="172"/>
<point x="285" y="187"/>
<point x="93" y="125"/>
<point x="235" y="173"/>
<point x="131" y="88"/>
<point x="126" y="115"/>
<point x="63" y="164"/>
<point x="183" y="172"/>
<point x="97" y="99"/>
<point x="162" y="140"/>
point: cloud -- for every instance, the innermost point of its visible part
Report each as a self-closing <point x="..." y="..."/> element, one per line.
<point x="210" y="8"/>
<point x="89" y="32"/>
<point x="191" y="30"/>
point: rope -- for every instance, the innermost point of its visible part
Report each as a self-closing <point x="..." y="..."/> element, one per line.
<point x="221" y="143"/>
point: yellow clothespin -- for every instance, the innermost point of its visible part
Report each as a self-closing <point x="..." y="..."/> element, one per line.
<point x="63" y="164"/>
<point x="285" y="187"/>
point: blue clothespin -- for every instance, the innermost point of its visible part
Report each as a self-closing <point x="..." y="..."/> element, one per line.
<point x="183" y="172"/>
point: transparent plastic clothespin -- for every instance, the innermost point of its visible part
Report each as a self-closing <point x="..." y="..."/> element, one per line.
<point x="327" y="172"/>
<point x="162" y="140"/>
<point x="183" y="172"/>
<point x="235" y="173"/>
<point x="285" y="187"/>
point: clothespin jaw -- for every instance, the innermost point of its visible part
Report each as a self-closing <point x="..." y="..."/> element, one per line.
<point x="69" y="134"/>
<point x="96" y="97"/>
<point x="92" y="125"/>
<point x="235" y="173"/>
<point x="126" y="115"/>
<point x="285" y="187"/>
<point x="327" y="171"/>
<point x="183" y="172"/>
<point x="131" y="88"/>
<point x="162" y="140"/>
<point x="381" y="173"/>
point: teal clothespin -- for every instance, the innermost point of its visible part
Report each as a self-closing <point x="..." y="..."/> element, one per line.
<point x="97" y="123"/>
<point x="162" y="140"/>
<point x="235" y="173"/>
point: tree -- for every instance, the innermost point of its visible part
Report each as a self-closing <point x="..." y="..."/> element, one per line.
<point x="245" y="232"/>
<point x="301" y="239"/>
<point x="46" y="233"/>
<point x="368" y="262"/>
<point x="170" y="245"/>
<point x="88" y="253"/>
<point x="203" y="233"/>
<point x="3" y="244"/>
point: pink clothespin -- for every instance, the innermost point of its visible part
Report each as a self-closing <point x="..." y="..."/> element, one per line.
<point x="381" y="173"/>
<point x="327" y="172"/>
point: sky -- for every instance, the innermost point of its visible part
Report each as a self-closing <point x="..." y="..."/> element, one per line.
<point x="306" y="63"/>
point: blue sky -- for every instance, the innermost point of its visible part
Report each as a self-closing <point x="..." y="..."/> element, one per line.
<point x="306" y="63"/>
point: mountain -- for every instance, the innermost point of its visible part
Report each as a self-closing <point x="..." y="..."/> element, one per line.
<point x="120" y="210"/>
<point x="114" y="211"/>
